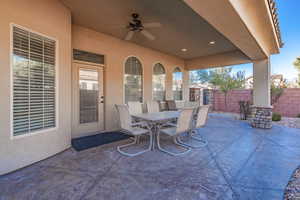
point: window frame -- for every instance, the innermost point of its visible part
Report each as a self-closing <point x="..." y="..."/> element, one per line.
<point x="182" y="77"/>
<point x="143" y="78"/>
<point x="152" y="87"/>
<point x="56" y="90"/>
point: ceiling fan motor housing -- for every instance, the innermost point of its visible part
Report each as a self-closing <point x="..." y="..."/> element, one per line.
<point x="136" y="24"/>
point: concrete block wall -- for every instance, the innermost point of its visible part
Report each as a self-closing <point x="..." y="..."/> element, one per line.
<point x="233" y="98"/>
<point x="288" y="104"/>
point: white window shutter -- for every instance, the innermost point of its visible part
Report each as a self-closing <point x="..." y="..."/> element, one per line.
<point x="33" y="82"/>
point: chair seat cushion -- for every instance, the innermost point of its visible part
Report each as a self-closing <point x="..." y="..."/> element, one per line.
<point x="169" y="131"/>
<point x="137" y="131"/>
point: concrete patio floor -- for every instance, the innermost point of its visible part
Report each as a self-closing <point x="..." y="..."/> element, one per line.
<point x="239" y="163"/>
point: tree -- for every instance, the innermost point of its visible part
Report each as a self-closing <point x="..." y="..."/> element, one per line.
<point x="297" y="66"/>
<point x="223" y="79"/>
<point x="277" y="89"/>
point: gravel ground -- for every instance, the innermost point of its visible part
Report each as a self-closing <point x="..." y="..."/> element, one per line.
<point x="292" y="191"/>
<point x="289" y="122"/>
<point x="285" y="121"/>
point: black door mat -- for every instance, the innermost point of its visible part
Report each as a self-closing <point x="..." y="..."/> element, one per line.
<point x="83" y="143"/>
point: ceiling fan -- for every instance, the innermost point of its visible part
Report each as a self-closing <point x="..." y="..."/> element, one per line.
<point x="136" y="26"/>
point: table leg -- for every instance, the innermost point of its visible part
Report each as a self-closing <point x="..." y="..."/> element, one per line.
<point x="154" y="136"/>
<point x="152" y="129"/>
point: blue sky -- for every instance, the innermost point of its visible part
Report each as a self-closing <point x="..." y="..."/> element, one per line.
<point x="289" y="18"/>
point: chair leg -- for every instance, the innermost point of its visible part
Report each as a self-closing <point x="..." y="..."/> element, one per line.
<point x="200" y="139"/>
<point x="203" y="142"/>
<point x="135" y="142"/>
<point x="169" y="152"/>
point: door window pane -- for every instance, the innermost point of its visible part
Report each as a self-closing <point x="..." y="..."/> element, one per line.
<point x="88" y="95"/>
<point x="158" y="82"/>
<point x="133" y="80"/>
<point x="177" y="84"/>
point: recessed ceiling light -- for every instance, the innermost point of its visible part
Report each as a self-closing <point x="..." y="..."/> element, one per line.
<point x="184" y="50"/>
<point x="212" y="42"/>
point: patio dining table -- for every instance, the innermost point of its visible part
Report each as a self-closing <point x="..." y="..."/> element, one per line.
<point x="155" y="120"/>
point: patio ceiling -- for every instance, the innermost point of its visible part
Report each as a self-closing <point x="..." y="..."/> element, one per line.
<point x="182" y="27"/>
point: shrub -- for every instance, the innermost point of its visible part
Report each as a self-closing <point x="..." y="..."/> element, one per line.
<point x="298" y="115"/>
<point x="276" y="117"/>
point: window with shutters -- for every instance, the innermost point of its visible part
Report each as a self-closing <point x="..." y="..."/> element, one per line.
<point x="133" y="80"/>
<point x="177" y="84"/>
<point x="33" y="78"/>
<point x="158" y="82"/>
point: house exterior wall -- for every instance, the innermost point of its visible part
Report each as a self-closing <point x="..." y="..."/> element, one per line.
<point x="51" y="18"/>
<point x="116" y="51"/>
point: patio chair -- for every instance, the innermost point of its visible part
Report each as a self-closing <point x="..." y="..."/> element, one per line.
<point x="191" y="104"/>
<point x="183" y="126"/>
<point x="171" y="105"/>
<point x="136" y="107"/>
<point x="128" y="128"/>
<point x="200" y="121"/>
<point x="162" y="105"/>
<point x="152" y="106"/>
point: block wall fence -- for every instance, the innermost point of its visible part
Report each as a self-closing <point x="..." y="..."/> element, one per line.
<point x="288" y="104"/>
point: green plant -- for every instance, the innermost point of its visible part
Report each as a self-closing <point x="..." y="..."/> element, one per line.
<point x="298" y="115"/>
<point x="276" y="117"/>
<point x="223" y="79"/>
<point x="276" y="92"/>
<point x="244" y="109"/>
<point x="297" y="66"/>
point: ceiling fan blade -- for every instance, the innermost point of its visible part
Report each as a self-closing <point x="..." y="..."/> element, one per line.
<point x="129" y="35"/>
<point x="152" y="25"/>
<point x="148" y="35"/>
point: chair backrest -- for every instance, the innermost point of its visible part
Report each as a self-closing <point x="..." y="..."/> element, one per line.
<point x="191" y="104"/>
<point x="125" y="118"/>
<point x="202" y="116"/>
<point x="135" y="107"/>
<point x="162" y="105"/>
<point x="184" y="120"/>
<point x="171" y="105"/>
<point x="152" y="106"/>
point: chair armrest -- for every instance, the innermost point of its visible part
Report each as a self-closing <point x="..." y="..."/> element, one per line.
<point x="139" y="124"/>
<point x="170" y="124"/>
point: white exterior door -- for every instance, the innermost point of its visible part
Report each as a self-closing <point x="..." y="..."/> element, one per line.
<point x="88" y="100"/>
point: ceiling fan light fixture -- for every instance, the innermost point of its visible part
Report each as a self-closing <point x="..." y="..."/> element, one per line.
<point x="184" y="50"/>
<point x="212" y="42"/>
<point x="136" y="26"/>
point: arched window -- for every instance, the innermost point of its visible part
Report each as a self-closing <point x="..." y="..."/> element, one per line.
<point x="177" y="84"/>
<point x="158" y="82"/>
<point x="133" y="80"/>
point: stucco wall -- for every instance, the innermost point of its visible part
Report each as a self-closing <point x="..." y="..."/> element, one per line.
<point x="50" y="18"/>
<point x="116" y="51"/>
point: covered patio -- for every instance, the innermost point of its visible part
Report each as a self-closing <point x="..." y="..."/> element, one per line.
<point x="245" y="163"/>
<point x="68" y="63"/>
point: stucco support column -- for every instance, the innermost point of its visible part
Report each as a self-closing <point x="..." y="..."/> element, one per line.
<point x="261" y="83"/>
<point x="261" y="109"/>
<point x="186" y="85"/>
